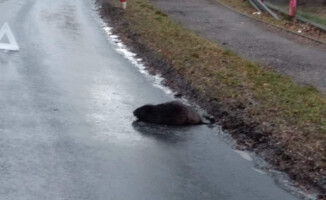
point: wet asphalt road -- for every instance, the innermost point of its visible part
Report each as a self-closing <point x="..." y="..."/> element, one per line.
<point x="303" y="63"/>
<point x="66" y="124"/>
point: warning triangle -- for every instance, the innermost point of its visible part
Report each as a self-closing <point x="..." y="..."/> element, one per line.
<point x="12" y="44"/>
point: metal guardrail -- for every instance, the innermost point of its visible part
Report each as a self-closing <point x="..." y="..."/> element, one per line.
<point x="262" y="6"/>
<point x="298" y="16"/>
<point x="254" y="5"/>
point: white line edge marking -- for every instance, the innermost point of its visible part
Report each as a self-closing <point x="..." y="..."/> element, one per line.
<point x="244" y="155"/>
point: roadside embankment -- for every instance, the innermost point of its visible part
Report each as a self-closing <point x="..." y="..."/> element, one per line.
<point x="264" y="111"/>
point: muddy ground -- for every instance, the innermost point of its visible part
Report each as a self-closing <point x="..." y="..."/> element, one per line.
<point x="248" y="136"/>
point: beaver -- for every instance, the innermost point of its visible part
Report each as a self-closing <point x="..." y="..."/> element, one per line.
<point x="170" y="113"/>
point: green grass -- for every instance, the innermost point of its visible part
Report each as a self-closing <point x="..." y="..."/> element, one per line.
<point x="315" y="18"/>
<point x="294" y="113"/>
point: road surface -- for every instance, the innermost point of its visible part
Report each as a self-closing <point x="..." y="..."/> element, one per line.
<point x="304" y="63"/>
<point x="66" y="124"/>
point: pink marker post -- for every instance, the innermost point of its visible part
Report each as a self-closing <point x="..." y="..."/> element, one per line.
<point x="123" y="4"/>
<point x="293" y="8"/>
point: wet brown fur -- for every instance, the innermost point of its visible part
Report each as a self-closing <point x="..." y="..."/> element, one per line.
<point x="170" y="113"/>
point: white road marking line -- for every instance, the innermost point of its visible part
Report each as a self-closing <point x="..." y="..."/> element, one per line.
<point x="12" y="45"/>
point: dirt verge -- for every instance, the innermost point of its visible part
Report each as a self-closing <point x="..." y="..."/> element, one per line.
<point x="264" y="111"/>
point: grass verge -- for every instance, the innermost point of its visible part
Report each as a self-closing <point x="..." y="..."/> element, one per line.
<point x="290" y="119"/>
<point x="313" y="17"/>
